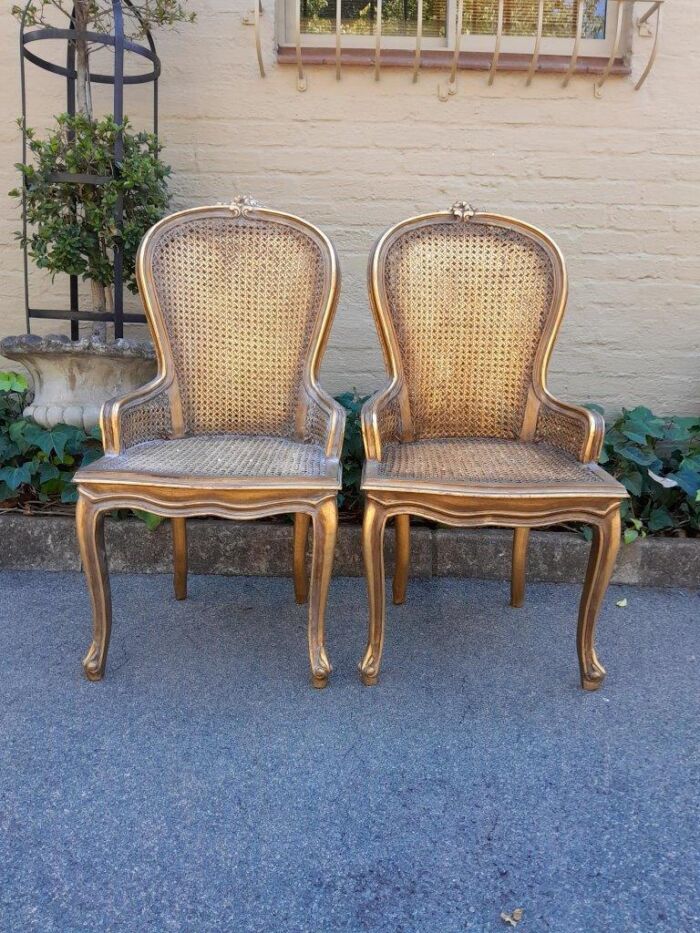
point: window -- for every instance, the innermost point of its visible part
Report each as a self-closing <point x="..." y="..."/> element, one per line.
<point x="317" y="20"/>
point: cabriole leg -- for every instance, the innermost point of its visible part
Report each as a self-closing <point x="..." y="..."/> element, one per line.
<point x="604" y="547"/>
<point x="521" y="536"/>
<point x="90" y="527"/>
<point x="373" y="552"/>
<point x="301" y="534"/>
<point x="179" y="529"/>
<point x="325" y="525"/>
<point x="402" y="527"/>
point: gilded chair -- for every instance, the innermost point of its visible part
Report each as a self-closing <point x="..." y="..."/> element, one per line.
<point x="467" y="306"/>
<point x="239" y="300"/>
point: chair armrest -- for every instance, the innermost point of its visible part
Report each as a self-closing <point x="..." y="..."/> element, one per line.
<point x="576" y="430"/>
<point x="325" y="422"/>
<point x="142" y="415"/>
<point x="381" y="421"/>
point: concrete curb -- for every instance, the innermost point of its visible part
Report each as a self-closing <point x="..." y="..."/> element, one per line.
<point x="264" y="549"/>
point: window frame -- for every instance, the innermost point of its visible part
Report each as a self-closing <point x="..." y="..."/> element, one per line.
<point x="479" y="44"/>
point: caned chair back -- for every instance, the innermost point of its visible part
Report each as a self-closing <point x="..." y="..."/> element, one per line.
<point x="239" y="299"/>
<point x="467" y="307"/>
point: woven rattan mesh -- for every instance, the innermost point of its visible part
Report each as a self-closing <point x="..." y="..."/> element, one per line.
<point x="240" y="298"/>
<point x="146" y="421"/>
<point x="224" y="455"/>
<point x="562" y="430"/>
<point x="389" y="421"/>
<point x="316" y="424"/>
<point x="469" y="302"/>
<point x="482" y="460"/>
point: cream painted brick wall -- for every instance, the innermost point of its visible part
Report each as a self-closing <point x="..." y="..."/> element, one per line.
<point x="615" y="181"/>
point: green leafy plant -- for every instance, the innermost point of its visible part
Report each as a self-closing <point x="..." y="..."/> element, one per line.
<point x="657" y="460"/>
<point x="72" y="228"/>
<point x="353" y="456"/>
<point x="37" y="464"/>
<point x="75" y="230"/>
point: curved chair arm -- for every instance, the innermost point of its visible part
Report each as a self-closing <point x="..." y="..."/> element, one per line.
<point x="142" y="415"/>
<point x="577" y="430"/>
<point x="324" y="422"/>
<point x="381" y="420"/>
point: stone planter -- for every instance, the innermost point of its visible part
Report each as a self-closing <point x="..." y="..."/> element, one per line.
<point x="73" y="379"/>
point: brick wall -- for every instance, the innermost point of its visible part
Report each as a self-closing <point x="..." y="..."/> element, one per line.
<point x="615" y="181"/>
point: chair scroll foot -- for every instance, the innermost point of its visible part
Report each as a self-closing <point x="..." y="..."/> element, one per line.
<point x="325" y="526"/>
<point x="179" y="530"/>
<point x="94" y="662"/>
<point x="301" y="534"/>
<point x="373" y="527"/>
<point x="368" y="673"/>
<point x="593" y="678"/>
<point x="604" y="548"/>
<point x="90" y="527"/>
<point x="521" y="536"/>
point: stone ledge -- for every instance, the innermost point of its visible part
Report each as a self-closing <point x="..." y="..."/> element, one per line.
<point x="264" y="549"/>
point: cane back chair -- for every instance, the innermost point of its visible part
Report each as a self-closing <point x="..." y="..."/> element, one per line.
<point x="467" y="306"/>
<point x="239" y="300"/>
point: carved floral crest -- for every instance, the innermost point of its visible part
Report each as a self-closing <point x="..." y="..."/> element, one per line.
<point x="242" y="205"/>
<point x="461" y="210"/>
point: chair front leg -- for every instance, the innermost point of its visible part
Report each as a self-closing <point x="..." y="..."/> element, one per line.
<point x="301" y="534"/>
<point x="373" y="527"/>
<point x="604" y="548"/>
<point x="402" y="530"/>
<point x="325" y="525"/>
<point x="90" y="527"/>
<point x="521" y="536"/>
<point x="179" y="530"/>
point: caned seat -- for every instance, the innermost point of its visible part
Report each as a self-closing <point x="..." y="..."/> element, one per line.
<point x="483" y="465"/>
<point x="240" y="300"/>
<point x="229" y="461"/>
<point x="467" y="306"/>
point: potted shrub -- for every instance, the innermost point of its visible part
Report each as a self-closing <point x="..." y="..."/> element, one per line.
<point x="72" y="227"/>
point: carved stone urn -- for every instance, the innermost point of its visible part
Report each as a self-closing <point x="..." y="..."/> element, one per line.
<point x="74" y="378"/>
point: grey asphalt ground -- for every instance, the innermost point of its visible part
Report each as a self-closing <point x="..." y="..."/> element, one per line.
<point x="204" y="786"/>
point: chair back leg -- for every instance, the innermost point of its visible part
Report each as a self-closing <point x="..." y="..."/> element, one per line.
<point x="521" y="537"/>
<point x="402" y="529"/>
<point x="301" y="535"/>
<point x="601" y="561"/>
<point x="179" y="529"/>
<point x="90" y="528"/>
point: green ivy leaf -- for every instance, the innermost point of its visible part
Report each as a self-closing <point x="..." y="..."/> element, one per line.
<point x="69" y="493"/>
<point x="150" y="520"/>
<point x="633" y="482"/>
<point x="16" y="432"/>
<point x="641" y="457"/>
<point x="688" y="480"/>
<point x="12" y="382"/>
<point x="660" y="518"/>
<point x="48" y="471"/>
<point x="90" y="454"/>
<point x="52" y="440"/>
<point x="630" y="535"/>
<point x="18" y="476"/>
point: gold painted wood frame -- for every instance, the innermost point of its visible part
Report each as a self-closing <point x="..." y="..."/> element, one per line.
<point x="164" y="411"/>
<point x="408" y="417"/>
